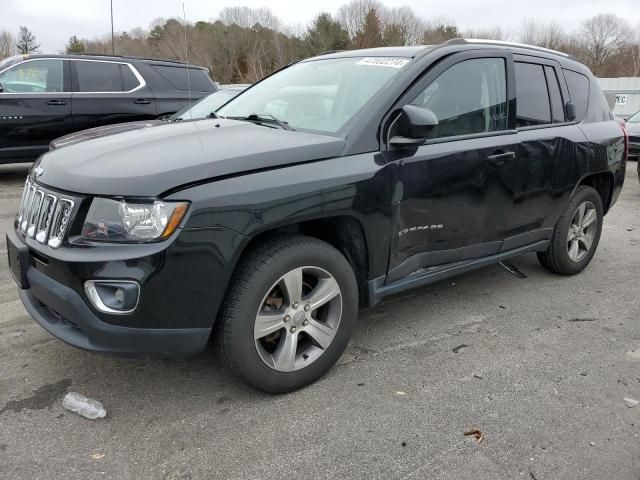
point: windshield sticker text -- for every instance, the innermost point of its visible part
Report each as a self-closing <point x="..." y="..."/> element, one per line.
<point x="390" y="62"/>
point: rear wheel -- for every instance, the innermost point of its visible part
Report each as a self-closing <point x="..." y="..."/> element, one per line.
<point x="576" y="235"/>
<point x="288" y="314"/>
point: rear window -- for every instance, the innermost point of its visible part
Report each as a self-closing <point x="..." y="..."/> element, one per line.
<point x="197" y="81"/>
<point x="532" y="96"/>
<point x="578" y="91"/>
<point x="129" y="79"/>
<point x="98" y="77"/>
<point x="104" y="77"/>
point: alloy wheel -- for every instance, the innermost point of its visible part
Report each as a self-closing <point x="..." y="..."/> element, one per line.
<point x="582" y="231"/>
<point x="298" y="319"/>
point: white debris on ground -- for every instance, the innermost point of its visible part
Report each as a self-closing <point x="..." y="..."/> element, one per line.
<point x="631" y="402"/>
<point x="84" y="406"/>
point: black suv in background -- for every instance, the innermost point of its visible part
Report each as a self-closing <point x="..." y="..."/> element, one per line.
<point x="203" y="108"/>
<point x="322" y="189"/>
<point x="43" y="97"/>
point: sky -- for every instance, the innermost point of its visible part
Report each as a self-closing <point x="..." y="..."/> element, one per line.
<point x="54" y="21"/>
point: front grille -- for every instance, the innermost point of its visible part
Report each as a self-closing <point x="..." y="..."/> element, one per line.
<point x="44" y="215"/>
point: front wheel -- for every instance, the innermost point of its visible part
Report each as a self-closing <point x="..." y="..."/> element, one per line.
<point x="288" y="314"/>
<point x="576" y="235"/>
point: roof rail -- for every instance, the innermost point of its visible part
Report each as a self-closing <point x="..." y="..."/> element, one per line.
<point x="132" y="57"/>
<point x="458" y="41"/>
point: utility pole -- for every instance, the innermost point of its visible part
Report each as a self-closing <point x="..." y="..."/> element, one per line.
<point x="113" y="45"/>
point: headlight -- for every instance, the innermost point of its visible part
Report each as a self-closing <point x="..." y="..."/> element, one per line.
<point x="121" y="221"/>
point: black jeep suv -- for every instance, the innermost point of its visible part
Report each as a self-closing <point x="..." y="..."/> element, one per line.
<point x="43" y="97"/>
<point x="320" y="190"/>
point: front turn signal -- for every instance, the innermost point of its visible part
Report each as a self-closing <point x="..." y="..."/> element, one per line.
<point x="174" y="220"/>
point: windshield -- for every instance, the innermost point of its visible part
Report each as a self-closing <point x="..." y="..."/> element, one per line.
<point x="634" y="118"/>
<point x="205" y="106"/>
<point x="320" y="95"/>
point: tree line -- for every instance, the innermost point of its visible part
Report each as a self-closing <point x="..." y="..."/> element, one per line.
<point x="244" y="44"/>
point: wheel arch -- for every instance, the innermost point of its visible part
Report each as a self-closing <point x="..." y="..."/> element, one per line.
<point x="344" y="232"/>
<point x="603" y="183"/>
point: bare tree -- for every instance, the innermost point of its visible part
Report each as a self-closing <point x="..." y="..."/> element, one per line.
<point x="547" y="35"/>
<point x="248" y="17"/>
<point x="352" y="16"/>
<point x="245" y="44"/>
<point x="7" y="44"/>
<point x="402" y="26"/>
<point x="601" y="38"/>
<point x="489" y="33"/>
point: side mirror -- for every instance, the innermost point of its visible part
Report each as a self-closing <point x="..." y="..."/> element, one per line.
<point x="1" y="88"/>
<point x="414" y="124"/>
<point x="570" y="111"/>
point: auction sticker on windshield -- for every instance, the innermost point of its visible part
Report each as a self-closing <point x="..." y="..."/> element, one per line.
<point x="391" y="62"/>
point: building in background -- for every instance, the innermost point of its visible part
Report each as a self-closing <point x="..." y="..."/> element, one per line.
<point x="623" y="94"/>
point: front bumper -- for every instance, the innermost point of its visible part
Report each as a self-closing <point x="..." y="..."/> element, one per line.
<point x="64" y="314"/>
<point x="182" y="285"/>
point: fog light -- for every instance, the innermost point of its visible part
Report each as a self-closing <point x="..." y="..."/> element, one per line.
<point x="119" y="295"/>
<point x="113" y="296"/>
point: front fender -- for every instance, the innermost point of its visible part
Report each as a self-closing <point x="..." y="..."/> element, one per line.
<point x="356" y="186"/>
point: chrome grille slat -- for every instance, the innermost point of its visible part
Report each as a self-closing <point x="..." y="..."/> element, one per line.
<point x="44" y="219"/>
<point x="27" y="207"/>
<point x="27" y="186"/>
<point x="44" y="215"/>
<point x="36" y="205"/>
<point x="60" y="222"/>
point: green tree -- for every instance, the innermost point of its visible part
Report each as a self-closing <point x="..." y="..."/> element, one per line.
<point x="326" y="34"/>
<point x="371" y="34"/>
<point x="26" y="43"/>
<point x="75" y="45"/>
<point x="440" y="32"/>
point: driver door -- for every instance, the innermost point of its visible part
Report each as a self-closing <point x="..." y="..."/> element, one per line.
<point x="35" y="107"/>
<point x="452" y="199"/>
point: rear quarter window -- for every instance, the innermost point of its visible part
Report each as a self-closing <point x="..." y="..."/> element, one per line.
<point x="197" y="81"/>
<point x="578" y="91"/>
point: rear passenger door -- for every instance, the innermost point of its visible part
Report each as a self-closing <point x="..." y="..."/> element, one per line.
<point x="548" y="148"/>
<point x="107" y="92"/>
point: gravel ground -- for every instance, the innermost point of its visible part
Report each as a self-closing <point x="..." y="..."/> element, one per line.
<point x="545" y="366"/>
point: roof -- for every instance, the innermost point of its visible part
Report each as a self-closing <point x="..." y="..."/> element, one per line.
<point x="418" y="50"/>
<point x="621" y="84"/>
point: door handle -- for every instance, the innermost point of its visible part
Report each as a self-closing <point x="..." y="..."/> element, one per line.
<point x="142" y="101"/>
<point x="56" y="102"/>
<point x="500" y="158"/>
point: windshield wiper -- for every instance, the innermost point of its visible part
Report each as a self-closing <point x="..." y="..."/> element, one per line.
<point x="264" y="118"/>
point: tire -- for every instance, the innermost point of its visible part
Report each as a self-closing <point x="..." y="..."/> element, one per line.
<point x="291" y="281"/>
<point x="563" y="256"/>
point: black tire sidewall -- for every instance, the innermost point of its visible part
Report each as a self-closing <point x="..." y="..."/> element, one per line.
<point x="264" y="273"/>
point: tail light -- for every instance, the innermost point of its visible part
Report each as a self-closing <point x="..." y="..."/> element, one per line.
<point x="626" y="138"/>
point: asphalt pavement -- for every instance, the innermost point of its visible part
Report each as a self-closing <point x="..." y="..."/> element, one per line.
<point x="540" y="365"/>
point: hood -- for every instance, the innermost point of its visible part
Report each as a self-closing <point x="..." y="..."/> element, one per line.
<point x="101" y="132"/>
<point x="150" y="161"/>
